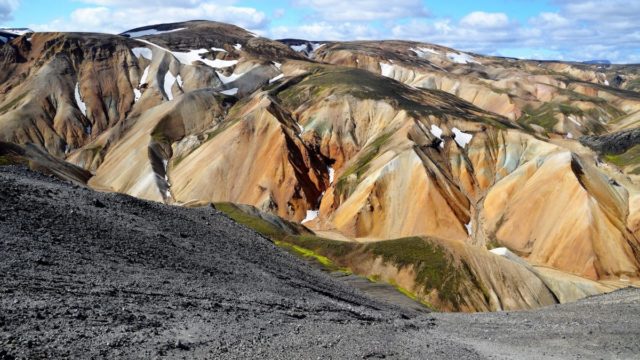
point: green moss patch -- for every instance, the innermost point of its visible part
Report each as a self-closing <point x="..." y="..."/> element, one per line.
<point x="630" y="157"/>
<point x="344" y="186"/>
<point x="12" y="104"/>
<point x="6" y="160"/>
<point x="256" y="223"/>
<point x="435" y="268"/>
<point x="309" y="254"/>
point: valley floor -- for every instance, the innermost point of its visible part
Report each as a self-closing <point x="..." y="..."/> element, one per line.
<point x="86" y="274"/>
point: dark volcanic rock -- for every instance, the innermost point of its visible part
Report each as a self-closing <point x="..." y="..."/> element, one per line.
<point x="121" y="281"/>
<point x="615" y="143"/>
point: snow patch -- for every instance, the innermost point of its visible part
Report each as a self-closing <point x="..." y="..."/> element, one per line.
<point x="148" y="32"/>
<point x="462" y="138"/>
<point x="386" y="69"/>
<point x="145" y="75"/>
<point x="331" y="175"/>
<point x="230" y="92"/>
<point x="152" y="44"/>
<point x="218" y="49"/>
<point x="573" y="119"/>
<point x="81" y="105"/>
<point x="468" y="227"/>
<point x="501" y="251"/>
<point x="188" y="58"/>
<point x="228" y="79"/>
<point x="237" y="46"/>
<point x="169" y="80"/>
<point x="17" y="31"/>
<point x="311" y="215"/>
<point x="179" y="80"/>
<point x="316" y="46"/>
<point x="277" y="64"/>
<point x="276" y="78"/>
<point x="569" y="136"/>
<point x="137" y="95"/>
<point x="437" y="132"/>
<point x="299" y="48"/>
<point x="142" y="51"/>
<point x="424" y="52"/>
<point x="461" y="58"/>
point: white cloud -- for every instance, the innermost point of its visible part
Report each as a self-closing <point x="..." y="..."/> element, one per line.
<point x="481" y="19"/>
<point x="580" y="30"/>
<point x="7" y="7"/>
<point x="116" y="16"/>
<point x="326" y="31"/>
<point x="128" y="3"/>
<point x="550" y="20"/>
<point x="576" y="30"/>
<point x="364" y="10"/>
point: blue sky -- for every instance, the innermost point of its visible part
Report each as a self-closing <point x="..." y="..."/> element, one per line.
<point x="543" y="29"/>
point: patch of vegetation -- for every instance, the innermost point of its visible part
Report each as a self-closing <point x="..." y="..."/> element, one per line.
<point x="331" y="248"/>
<point x="543" y="116"/>
<point x="11" y="104"/>
<point x="160" y="137"/>
<point x="633" y="85"/>
<point x="362" y="84"/>
<point x="309" y="254"/>
<point x="434" y="267"/>
<point x="256" y="223"/>
<point x="570" y="110"/>
<point x="221" y="128"/>
<point x="493" y="243"/>
<point x="411" y="295"/>
<point x="628" y="158"/>
<point x="360" y="167"/>
<point x="6" y="160"/>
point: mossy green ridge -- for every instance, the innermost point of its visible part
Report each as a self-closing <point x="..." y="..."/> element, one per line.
<point x="322" y="81"/>
<point x="361" y="165"/>
<point x="435" y="267"/>
<point x="309" y="254"/>
<point x="629" y="159"/>
<point x="256" y="223"/>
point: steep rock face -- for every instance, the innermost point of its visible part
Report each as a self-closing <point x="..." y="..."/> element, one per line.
<point x="372" y="137"/>
<point x="137" y="163"/>
<point x="271" y="167"/>
<point x="63" y="89"/>
<point x="591" y="239"/>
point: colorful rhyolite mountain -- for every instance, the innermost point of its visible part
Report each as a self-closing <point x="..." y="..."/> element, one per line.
<point x="471" y="182"/>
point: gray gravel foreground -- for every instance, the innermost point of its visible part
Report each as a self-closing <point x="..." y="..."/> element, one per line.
<point x="95" y="275"/>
